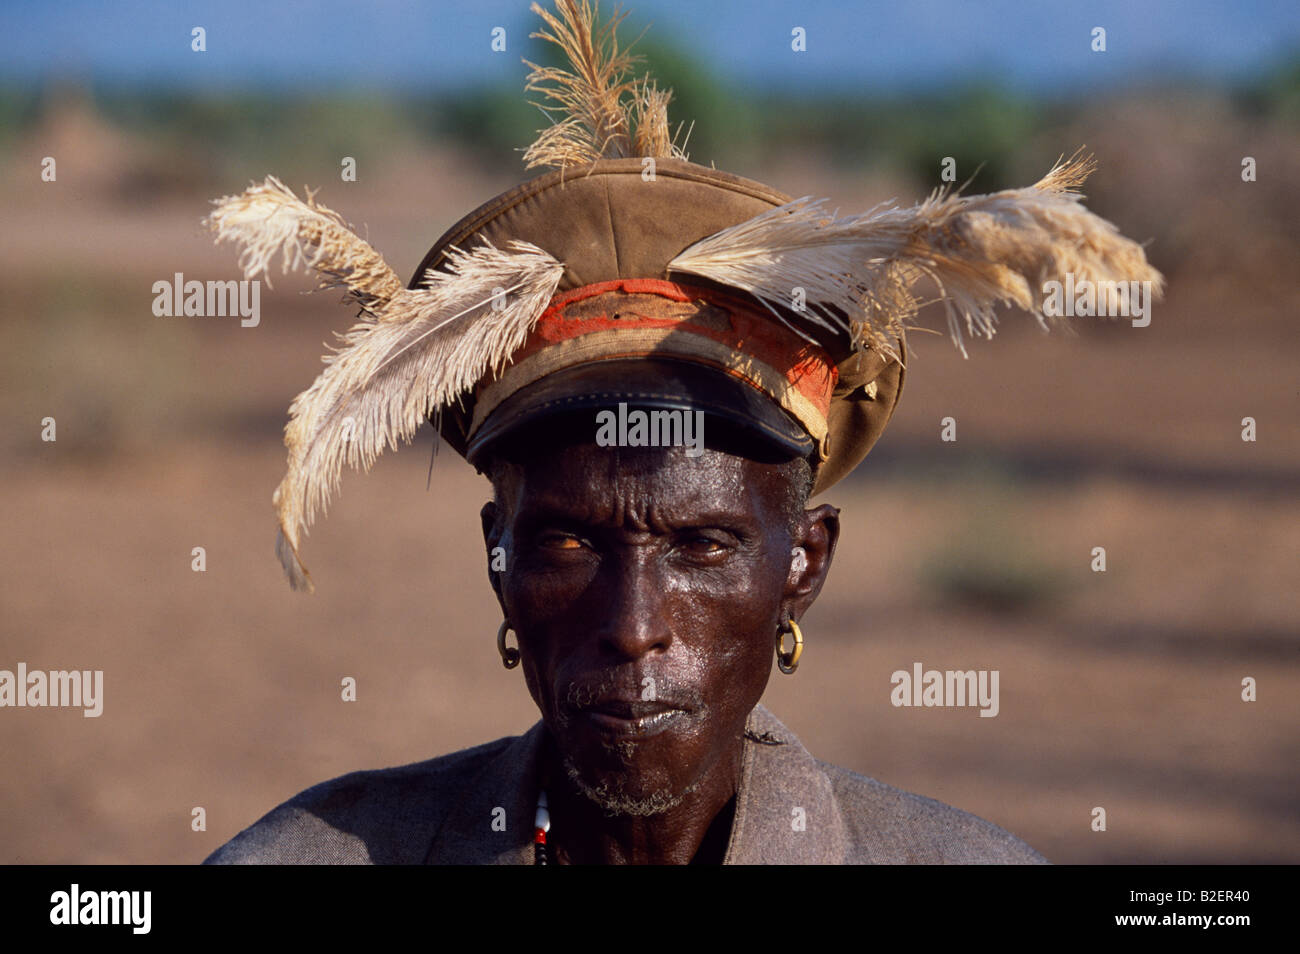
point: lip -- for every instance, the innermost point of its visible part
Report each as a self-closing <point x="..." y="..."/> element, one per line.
<point x="636" y="719"/>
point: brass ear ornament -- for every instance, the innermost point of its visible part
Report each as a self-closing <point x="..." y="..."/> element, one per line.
<point x="788" y="662"/>
<point x="510" y="654"/>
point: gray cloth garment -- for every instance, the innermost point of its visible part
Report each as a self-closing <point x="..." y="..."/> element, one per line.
<point x="442" y="811"/>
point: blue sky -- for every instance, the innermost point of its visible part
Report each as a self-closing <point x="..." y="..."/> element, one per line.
<point x="868" y="45"/>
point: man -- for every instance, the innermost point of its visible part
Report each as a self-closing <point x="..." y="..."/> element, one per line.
<point x="645" y="587"/>
<point x="656" y="364"/>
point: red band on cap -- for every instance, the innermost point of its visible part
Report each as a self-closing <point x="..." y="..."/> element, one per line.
<point x="730" y="321"/>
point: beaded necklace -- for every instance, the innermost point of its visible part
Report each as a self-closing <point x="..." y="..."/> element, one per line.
<point x="541" y="825"/>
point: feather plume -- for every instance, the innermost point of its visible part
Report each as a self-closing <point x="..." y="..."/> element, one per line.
<point x="858" y="271"/>
<point x="269" y="218"/>
<point x="601" y="113"/>
<point x="429" y="346"/>
<point x="653" y="137"/>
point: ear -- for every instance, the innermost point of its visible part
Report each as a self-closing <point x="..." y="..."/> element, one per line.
<point x="812" y="550"/>
<point x="489" y="516"/>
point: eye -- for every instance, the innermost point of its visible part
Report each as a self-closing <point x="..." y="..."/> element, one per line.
<point x="703" y="546"/>
<point x="560" y="541"/>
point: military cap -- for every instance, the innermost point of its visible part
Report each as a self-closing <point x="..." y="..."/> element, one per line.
<point x="622" y="321"/>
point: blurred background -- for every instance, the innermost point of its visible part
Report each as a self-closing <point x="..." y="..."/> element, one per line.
<point x="1119" y="690"/>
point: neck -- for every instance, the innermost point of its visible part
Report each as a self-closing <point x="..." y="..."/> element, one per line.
<point x="697" y="828"/>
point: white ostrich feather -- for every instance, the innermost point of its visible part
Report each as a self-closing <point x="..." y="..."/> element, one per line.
<point x="857" y="272"/>
<point x="268" y="219"/>
<point x="427" y="347"/>
<point x="412" y="353"/>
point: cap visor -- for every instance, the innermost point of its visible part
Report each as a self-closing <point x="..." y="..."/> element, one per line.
<point x="645" y="383"/>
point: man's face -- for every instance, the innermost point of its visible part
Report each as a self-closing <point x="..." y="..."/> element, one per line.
<point x="646" y="589"/>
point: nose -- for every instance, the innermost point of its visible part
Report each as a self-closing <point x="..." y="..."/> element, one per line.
<point x="634" y="620"/>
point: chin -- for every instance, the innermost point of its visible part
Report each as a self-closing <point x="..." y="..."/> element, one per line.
<point x="628" y="774"/>
<point x="627" y="791"/>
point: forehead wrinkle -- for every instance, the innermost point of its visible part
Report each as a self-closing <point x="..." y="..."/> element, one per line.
<point x="705" y="490"/>
<point x="632" y="501"/>
<point x="547" y="490"/>
<point x="637" y="490"/>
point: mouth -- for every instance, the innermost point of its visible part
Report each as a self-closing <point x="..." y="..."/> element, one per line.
<point x="631" y="718"/>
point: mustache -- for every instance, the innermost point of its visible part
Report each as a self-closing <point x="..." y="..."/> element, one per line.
<point x="586" y="692"/>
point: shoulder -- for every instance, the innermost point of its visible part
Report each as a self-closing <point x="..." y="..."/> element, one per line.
<point x="384" y="816"/>
<point x="858" y="819"/>
<point x="887" y="825"/>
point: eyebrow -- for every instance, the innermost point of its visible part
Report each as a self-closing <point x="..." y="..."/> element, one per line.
<point x="569" y="512"/>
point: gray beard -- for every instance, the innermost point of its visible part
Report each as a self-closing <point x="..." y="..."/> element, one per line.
<point x="616" y="802"/>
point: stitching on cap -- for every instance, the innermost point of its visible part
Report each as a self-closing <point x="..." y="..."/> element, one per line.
<point x="626" y="395"/>
<point x="684" y="175"/>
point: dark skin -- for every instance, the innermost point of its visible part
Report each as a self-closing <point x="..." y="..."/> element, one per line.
<point x="646" y="589"/>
